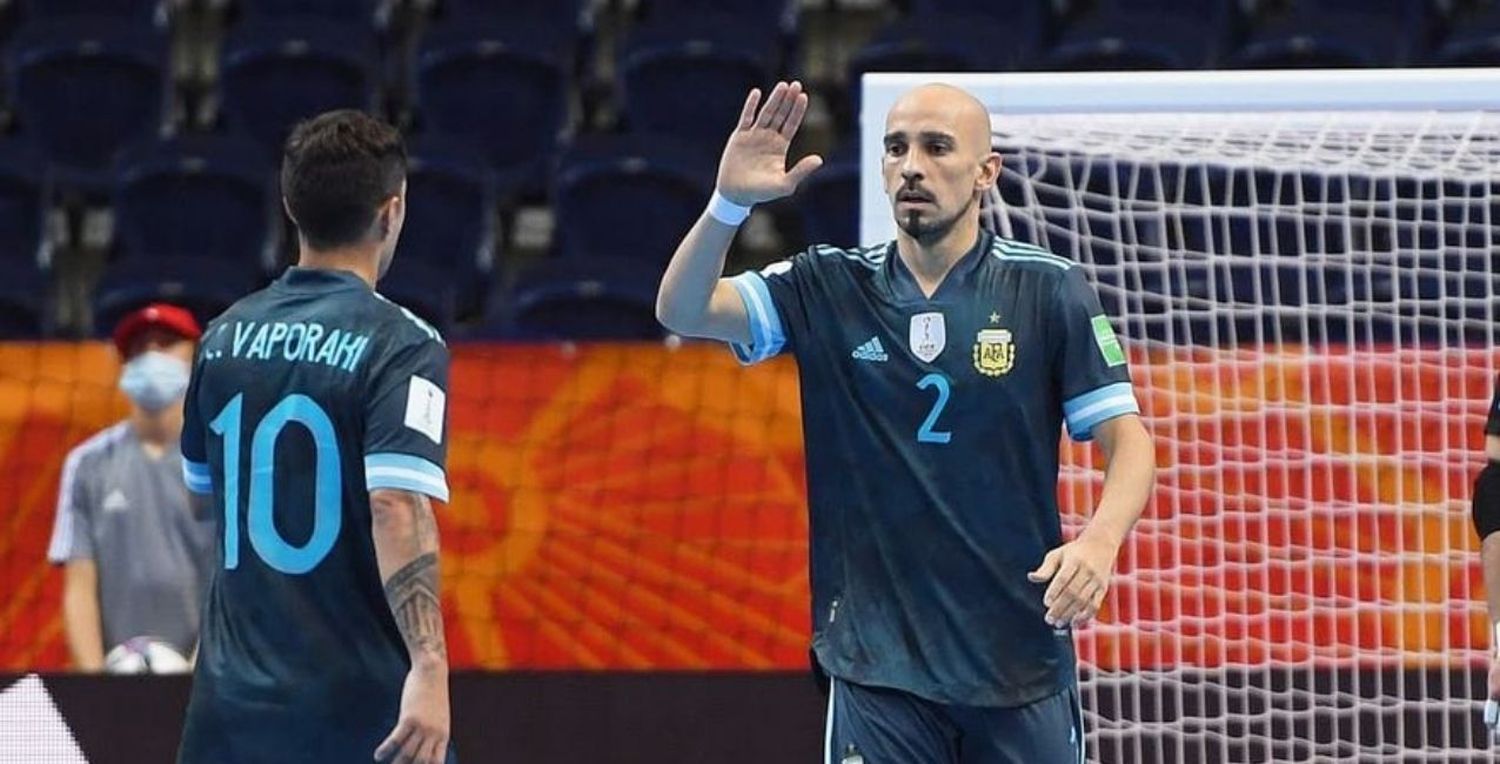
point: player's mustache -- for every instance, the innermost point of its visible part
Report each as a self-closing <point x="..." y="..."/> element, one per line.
<point x="913" y="193"/>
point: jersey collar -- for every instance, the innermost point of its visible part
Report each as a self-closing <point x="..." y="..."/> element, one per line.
<point x="904" y="286"/>
<point x="319" y="279"/>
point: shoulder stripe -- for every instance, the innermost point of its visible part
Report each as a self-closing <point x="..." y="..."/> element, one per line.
<point x="412" y="317"/>
<point x="1052" y="261"/>
<point x="1021" y="249"/>
<point x="869" y="257"/>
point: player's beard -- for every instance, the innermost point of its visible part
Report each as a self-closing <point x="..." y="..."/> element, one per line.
<point x="929" y="229"/>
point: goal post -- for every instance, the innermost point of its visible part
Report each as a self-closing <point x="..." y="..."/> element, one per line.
<point x="1302" y="266"/>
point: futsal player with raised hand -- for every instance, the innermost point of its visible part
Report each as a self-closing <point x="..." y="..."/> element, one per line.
<point x="937" y="373"/>
<point x="315" y="423"/>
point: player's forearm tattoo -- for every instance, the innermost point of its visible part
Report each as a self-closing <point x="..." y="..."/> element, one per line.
<point x="412" y="593"/>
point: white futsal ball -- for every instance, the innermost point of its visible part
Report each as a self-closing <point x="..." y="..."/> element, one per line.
<point x="145" y="655"/>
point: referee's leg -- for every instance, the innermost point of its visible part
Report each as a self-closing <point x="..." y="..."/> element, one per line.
<point x="879" y="725"/>
<point x="1049" y="731"/>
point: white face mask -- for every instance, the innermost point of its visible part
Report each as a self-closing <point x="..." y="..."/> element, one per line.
<point x="154" y="380"/>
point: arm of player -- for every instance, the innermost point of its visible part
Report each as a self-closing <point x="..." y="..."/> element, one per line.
<point x="406" y="550"/>
<point x="1486" y="510"/>
<point x="695" y="300"/>
<point x="81" y="620"/>
<point x="1080" y="569"/>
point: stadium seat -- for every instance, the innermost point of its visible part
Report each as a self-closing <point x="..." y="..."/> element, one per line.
<point x="145" y="11"/>
<point x="114" y="74"/>
<point x="1473" y="40"/>
<point x="1334" y="33"/>
<point x="276" y="73"/>
<point x="949" y="43"/>
<point x="23" y="207"/>
<point x="579" y="299"/>
<point x="451" y="212"/>
<point x="204" y="286"/>
<point x="828" y="201"/>
<point x="429" y="291"/>
<point x="687" y="75"/>
<point x="24" y="302"/>
<point x="1143" y="34"/>
<point x="1030" y="14"/>
<point x="757" y="16"/>
<point x="199" y="196"/>
<point x="629" y="197"/>
<point x="503" y="87"/>
<point x="350" y="11"/>
<point x="561" y="14"/>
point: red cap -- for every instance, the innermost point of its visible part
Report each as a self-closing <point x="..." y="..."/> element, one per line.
<point x="159" y="315"/>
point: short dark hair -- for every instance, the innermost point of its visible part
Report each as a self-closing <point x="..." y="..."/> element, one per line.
<point x="337" y="169"/>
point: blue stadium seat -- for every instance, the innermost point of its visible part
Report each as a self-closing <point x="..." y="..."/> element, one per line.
<point x="144" y="11"/>
<point x="276" y="73"/>
<point x="24" y="302"/>
<point x="629" y="197"/>
<point x="429" y="291"/>
<point x="350" y="11"/>
<point x="1473" y="39"/>
<point x="561" y="14"/>
<point x="579" y="299"/>
<point x="23" y="207"/>
<point x="1144" y="34"/>
<point x="1334" y="33"/>
<point x="116" y="75"/>
<point x="828" y="201"/>
<point x="1029" y="15"/>
<point x="949" y="43"/>
<point x="204" y="286"/>
<point x="451" y="208"/>
<point x="503" y="87"/>
<point x="756" y="16"/>
<point x="198" y="196"/>
<point x="688" y="75"/>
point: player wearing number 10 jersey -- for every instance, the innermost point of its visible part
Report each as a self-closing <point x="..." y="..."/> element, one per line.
<point x="315" y="420"/>
<point x="937" y="372"/>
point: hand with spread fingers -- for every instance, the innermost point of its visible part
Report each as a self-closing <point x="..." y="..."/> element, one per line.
<point x="1079" y="571"/>
<point x="753" y="167"/>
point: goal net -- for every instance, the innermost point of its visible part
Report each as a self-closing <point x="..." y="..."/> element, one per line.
<point x="1303" y="267"/>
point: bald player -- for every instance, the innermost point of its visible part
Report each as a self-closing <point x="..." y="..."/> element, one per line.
<point x="937" y="372"/>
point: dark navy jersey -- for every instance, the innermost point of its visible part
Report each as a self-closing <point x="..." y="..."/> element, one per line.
<point x="932" y="429"/>
<point x="304" y="397"/>
<point x="1492" y="424"/>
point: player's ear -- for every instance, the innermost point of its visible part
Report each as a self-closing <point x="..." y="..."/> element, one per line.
<point x="989" y="172"/>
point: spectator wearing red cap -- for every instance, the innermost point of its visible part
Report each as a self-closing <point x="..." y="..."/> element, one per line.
<point x="137" y="559"/>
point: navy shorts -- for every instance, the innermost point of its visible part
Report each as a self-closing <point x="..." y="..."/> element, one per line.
<point x="879" y="725"/>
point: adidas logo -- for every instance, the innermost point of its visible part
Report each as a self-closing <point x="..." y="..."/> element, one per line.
<point x="115" y="502"/>
<point x="871" y="351"/>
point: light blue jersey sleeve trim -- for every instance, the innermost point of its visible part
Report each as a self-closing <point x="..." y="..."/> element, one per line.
<point x="1086" y="411"/>
<point x="767" y="337"/>
<point x="406" y="473"/>
<point x="197" y="477"/>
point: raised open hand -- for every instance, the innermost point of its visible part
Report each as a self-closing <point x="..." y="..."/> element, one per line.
<point x="753" y="167"/>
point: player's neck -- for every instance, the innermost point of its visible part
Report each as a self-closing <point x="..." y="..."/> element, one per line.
<point x="358" y="260"/>
<point x="157" y="428"/>
<point x="930" y="261"/>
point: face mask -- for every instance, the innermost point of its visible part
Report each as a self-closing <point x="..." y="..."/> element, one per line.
<point x="154" y="380"/>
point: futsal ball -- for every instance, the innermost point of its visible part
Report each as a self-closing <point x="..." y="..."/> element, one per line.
<point x="145" y="655"/>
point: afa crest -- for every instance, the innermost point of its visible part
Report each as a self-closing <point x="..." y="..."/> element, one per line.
<point x="994" y="352"/>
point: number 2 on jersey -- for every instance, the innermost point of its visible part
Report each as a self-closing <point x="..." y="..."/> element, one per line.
<point x="328" y="485"/>
<point x="925" y="433"/>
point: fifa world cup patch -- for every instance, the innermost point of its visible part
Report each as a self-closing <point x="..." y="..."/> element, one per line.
<point x="994" y="352"/>
<point x="1109" y="344"/>
<point x="425" y="402"/>
<point x="928" y="335"/>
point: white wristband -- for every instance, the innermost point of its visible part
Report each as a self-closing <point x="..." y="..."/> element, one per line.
<point x="725" y="211"/>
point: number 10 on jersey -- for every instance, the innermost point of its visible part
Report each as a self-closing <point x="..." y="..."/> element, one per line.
<point x="328" y="485"/>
